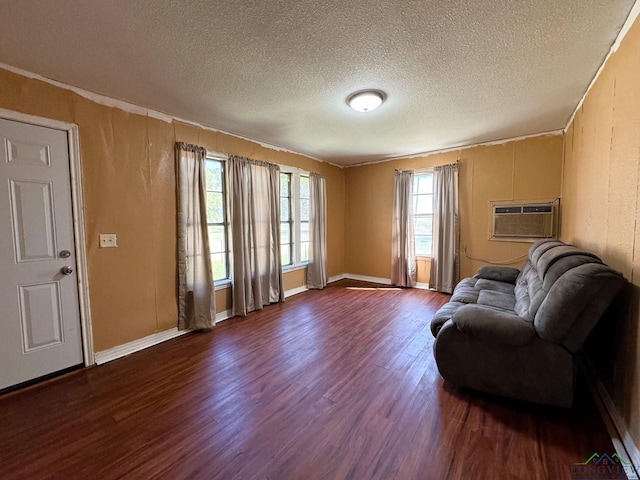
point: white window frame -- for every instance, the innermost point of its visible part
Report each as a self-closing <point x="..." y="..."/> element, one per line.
<point x="419" y="173"/>
<point x="225" y="282"/>
<point x="296" y="173"/>
<point x="291" y="220"/>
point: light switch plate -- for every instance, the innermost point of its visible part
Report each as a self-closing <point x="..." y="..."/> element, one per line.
<point x="108" y="240"/>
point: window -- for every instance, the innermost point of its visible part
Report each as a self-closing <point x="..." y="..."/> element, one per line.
<point x="286" y="219"/>
<point x="217" y="218"/>
<point x="295" y="205"/>
<point x="423" y="213"/>
<point x="305" y="207"/>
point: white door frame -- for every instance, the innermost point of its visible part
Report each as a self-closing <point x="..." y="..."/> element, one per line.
<point x="77" y="202"/>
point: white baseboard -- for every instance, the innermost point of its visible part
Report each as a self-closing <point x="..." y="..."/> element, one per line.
<point x="364" y="278"/>
<point x="621" y="438"/>
<point x="146" y="342"/>
<point x="137" y="345"/>
<point x="295" y="291"/>
<point x="220" y="316"/>
<point x="342" y="276"/>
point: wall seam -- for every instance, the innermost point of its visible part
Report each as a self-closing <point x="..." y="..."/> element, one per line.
<point x="613" y="111"/>
<point x="635" y="223"/>
<point x="154" y="244"/>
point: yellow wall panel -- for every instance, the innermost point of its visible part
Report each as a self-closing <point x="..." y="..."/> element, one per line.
<point x="35" y="98"/>
<point x="601" y="195"/>
<point x="117" y="200"/>
<point x="164" y="219"/>
<point x="529" y="183"/>
<point x="294" y="279"/>
<point x="224" y="300"/>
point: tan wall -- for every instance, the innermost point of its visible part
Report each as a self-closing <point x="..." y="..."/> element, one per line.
<point x="129" y="189"/>
<point x="601" y="197"/>
<point x="528" y="169"/>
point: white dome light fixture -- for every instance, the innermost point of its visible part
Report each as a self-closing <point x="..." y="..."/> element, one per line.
<point x="366" y="101"/>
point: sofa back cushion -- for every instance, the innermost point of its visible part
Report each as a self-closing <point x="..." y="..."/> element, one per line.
<point x="528" y="285"/>
<point x="575" y="302"/>
<point x="548" y="261"/>
<point x="526" y="290"/>
<point x="560" y="258"/>
<point x="540" y="247"/>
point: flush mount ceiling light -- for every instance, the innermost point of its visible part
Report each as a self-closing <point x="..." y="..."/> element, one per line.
<point x="366" y="101"/>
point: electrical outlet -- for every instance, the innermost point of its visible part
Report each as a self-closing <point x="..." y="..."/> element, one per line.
<point x="108" y="240"/>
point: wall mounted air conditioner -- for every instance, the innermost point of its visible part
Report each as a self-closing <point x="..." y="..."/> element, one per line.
<point x="524" y="221"/>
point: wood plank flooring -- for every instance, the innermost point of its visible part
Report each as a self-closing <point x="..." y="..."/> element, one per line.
<point x="333" y="384"/>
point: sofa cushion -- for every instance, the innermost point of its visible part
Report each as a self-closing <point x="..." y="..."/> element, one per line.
<point x="443" y="315"/>
<point x="550" y="266"/>
<point x="553" y="255"/>
<point x="504" y="301"/>
<point x="484" y="284"/>
<point x="564" y="265"/>
<point x="583" y="293"/>
<point x="492" y="325"/>
<point x="466" y="291"/>
<point x="539" y="248"/>
<point x="500" y="274"/>
<point x="536" y="293"/>
<point x="521" y="292"/>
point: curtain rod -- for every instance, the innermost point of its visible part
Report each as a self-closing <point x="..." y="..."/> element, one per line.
<point x="430" y="169"/>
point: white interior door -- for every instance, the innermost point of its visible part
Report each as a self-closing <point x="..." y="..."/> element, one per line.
<point x="40" y="330"/>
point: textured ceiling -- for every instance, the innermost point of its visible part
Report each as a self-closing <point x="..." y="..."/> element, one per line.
<point x="279" y="71"/>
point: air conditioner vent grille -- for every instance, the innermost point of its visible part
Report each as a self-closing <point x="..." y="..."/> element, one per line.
<point x="537" y="209"/>
<point x="517" y="209"/>
<point x="526" y="221"/>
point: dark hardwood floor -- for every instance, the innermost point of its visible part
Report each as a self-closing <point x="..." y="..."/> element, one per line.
<point x="332" y="384"/>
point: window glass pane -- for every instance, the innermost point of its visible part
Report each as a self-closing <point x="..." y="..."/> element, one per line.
<point x="284" y="184"/>
<point x="423" y="204"/>
<point x="213" y="175"/>
<point x="217" y="239"/>
<point x="216" y="217"/>
<point x="219" y="266"/>
<point x="304" y="187"/>
<point x="422" y="225"/>
<point x="215" y="207"/>
<point x="304" y="231"/>
<point x="304" y="209"/>
<point x="423" y="245"/>
<point x="423" y="184"/>
<point x="304" y="251"/>
<point x="285" y="254"/>
<point x="285" y="213"/>
<point x="285" y="232"/>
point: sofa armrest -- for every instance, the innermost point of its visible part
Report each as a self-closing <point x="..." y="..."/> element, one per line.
<point x="500" y="274"/>
<point x="491" y="325"/>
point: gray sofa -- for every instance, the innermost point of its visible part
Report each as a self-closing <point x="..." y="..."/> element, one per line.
<point x="516" y="333"/>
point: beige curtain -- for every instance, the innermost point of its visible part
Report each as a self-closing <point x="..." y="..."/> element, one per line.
<point x="403" y="259"/>
<point x="255" y="223"/>
<point x="196" y="301"/>
<point x="445" y="263"/>
<point x="317" y="268"/>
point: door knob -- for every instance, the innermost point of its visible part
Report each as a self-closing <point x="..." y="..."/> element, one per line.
<point x="66" y="270"/>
